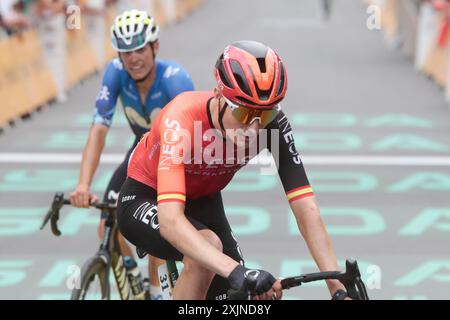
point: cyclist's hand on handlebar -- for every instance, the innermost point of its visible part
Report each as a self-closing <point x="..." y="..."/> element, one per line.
<point x="340" y="294"/>
<point x="275" y="293"/>
<point x="82" y="197"/>
<point x="265" y="287"/>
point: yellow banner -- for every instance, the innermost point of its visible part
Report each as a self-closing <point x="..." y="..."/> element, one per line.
<point x="25" y="80"/>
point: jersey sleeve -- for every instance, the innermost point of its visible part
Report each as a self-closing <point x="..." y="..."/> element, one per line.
<point x="174" y="145"/>
<point x="105" y="103"/>
<point x="290" y="167"/>
<point x="177" y="80"/>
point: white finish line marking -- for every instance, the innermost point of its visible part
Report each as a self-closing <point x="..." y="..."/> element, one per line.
<point x="365" y="160"/>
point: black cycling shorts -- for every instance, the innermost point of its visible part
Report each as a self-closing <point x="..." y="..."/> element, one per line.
<point x="137" y="217"/>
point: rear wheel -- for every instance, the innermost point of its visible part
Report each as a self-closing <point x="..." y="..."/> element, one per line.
<point x="93" y="281"/>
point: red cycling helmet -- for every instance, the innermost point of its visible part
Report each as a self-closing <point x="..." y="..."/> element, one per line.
<point x="250" y="74"/>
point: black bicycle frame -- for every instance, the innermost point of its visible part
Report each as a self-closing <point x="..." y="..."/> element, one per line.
<point x="108" y="250"/>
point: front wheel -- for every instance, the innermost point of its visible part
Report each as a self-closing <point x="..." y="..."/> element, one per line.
<point x="93" y="281"/>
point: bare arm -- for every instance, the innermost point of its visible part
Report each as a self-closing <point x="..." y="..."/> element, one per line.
<point x="89" y="163"/>
<point x="92" y="152"/>
<point x="176" y="229"/>
<point x="313" y="230"/>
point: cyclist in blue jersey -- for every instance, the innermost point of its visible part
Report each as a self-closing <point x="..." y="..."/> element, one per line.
<point x="145" y="85"/>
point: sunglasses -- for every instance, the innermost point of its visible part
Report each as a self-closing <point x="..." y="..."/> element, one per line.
<point x="135" y="43"/>
<point x="247" y="115"/>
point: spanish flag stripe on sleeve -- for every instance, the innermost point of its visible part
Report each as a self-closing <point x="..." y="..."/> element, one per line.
<point x="171" y="196"/>
<point x="299" y="193"/>
<point x="302" y="196"/>
<point x="170" y="192"/>
<point x="171" y="200"/>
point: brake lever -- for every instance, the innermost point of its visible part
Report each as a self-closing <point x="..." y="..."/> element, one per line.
<point x="53" y="214"/>
<point x="352" y="281"/>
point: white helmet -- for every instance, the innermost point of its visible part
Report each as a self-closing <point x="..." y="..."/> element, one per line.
<point x="132" y="30"/>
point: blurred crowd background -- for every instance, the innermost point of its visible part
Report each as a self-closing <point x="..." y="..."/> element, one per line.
<point x="420" y="30"/>
<point x="48" y="46"/>
<point x="20" y="15"/>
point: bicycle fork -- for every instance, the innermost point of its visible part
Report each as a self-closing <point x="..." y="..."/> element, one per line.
<point x="120" y="274"/>
<point x="119" y="271"/>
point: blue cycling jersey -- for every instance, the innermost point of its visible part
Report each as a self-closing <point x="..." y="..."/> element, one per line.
<point x="171" y="79"/>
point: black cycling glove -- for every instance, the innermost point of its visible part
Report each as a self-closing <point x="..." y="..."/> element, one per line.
<point x="339" y="295"/>
<point x="264" y="280"/>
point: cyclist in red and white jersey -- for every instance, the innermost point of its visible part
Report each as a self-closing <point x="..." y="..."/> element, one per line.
<point x="171" y="204"/>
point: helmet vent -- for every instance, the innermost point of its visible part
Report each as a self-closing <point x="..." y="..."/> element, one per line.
<point x="282" y="78"/>
<point x="239" y="75"/>
<point x="223" y="75"/>
<point x="262" y="64"/>
<point x="263" y="94"/>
